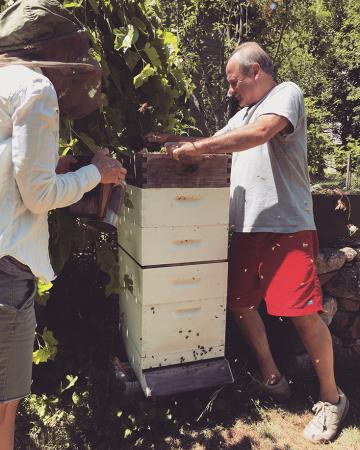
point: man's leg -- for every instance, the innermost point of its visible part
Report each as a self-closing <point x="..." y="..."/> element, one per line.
<point x="252" y="327"/>
<point x="7" y="424"/>
<point x="245" y="294"/>
<point x="317" y="340"/>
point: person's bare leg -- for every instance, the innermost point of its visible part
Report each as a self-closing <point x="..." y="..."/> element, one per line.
<point x="7" y="424"/>
<point x="317" y="340"/>
<point x="253" y="329"/>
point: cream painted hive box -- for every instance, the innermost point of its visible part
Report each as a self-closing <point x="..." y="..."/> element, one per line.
<point x="175" y="225"/>
<point x="173" y="239"/>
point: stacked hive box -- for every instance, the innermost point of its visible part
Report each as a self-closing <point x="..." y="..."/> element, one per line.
<point x="173" y="236"/>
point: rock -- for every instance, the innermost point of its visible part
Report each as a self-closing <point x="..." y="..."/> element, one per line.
<point x="326" y="277"/>
<point x="330" y="308"/>
<point x="346" y="283"/>
<point x="349" y="252"/>
<point x="355" y="328"/>
<point x="346" y="304"/>
<point x="331" y="259"/>
<point x="347" y="356"/>
<point x="341" y="323"/>
<point x="357" y="257"/>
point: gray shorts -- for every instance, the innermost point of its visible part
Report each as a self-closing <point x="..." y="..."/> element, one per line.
<point x="17" y="329"/>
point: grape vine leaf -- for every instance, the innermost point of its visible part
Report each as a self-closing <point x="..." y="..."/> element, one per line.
<point x="125" y="37"/>
<point x="144" y="75"/>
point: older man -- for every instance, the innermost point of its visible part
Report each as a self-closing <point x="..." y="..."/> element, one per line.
<point x="274" y="245"/>
<point x="44" y="68"/>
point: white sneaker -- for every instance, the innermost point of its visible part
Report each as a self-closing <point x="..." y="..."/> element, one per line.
<point x="328" y="417"/>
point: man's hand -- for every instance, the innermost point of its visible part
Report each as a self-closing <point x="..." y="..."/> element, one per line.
<point x="64" y="163"/>
<point x="183" y="150"/>
<point x="111" y="170"/>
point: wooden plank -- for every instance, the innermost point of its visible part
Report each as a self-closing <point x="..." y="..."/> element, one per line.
<point x="187" y="377"/>
<point x="159" y="170"/>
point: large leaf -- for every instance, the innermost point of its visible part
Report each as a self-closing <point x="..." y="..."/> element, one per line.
<point x="152" y="54"/>
<point x="131" y="59"/>
<point x="125" y="37"/>
<point x="139" y="24"/>
<point x="147" y="72"/>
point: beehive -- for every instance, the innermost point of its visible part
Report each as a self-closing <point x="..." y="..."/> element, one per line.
<point x="173" y="261"/>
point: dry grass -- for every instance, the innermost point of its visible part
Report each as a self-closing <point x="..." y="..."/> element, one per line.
<point x="264" y="426"/>
<point x="277" y="430"/>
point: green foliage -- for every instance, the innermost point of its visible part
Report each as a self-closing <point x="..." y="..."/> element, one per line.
<point x="319" y="139"/>
<point x="46" y="346"/>
<point x="314" y="43"/>
<point x="140" y="64"/>
<point x="71" y="381"/>
<point x="340" y="159"/>
<point x="43" y="291"/>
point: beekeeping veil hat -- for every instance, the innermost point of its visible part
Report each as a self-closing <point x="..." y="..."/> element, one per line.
<point x="27" y="22"/>
<point x="42" y="33"/>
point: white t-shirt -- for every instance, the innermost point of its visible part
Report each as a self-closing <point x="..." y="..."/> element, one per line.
<point x="270" y="186"/>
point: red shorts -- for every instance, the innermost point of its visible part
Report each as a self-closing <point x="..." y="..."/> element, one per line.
<point x="277" y="267"/>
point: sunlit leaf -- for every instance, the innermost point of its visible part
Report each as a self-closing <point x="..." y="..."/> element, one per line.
<point x="73" y="4"/>
<point x="144" y="75"/>
<point x="125" y="37"/>
<point x="47" y="344"/>
<point x="43" y="290"/>
<point x="71" y="381"/>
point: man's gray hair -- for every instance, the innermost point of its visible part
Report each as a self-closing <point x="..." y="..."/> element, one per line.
<point x="250" y="53"/>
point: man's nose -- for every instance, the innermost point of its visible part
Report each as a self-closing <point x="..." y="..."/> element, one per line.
<point x="230" y="92"/>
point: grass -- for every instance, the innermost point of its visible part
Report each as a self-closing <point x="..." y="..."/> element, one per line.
<point x="260" y="425"/>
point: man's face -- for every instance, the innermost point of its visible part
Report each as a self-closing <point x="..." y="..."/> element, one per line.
<point x="241" y="86"/>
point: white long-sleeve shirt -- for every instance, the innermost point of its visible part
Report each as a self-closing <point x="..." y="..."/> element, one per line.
<point x="29" y="186"/>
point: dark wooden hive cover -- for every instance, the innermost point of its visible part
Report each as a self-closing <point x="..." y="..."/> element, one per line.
<point x="159" y="170"/>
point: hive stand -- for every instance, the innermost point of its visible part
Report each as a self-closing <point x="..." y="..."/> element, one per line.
<point x="173" y="239"/>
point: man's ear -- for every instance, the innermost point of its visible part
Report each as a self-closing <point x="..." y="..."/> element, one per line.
<point x="256" y="70"/>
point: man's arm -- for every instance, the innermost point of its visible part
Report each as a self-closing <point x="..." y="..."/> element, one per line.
<point x="243" y="138"/>
<point x="162" y="138"/>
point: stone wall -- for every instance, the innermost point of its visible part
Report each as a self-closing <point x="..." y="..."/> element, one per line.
<point x="339" y="272"/>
